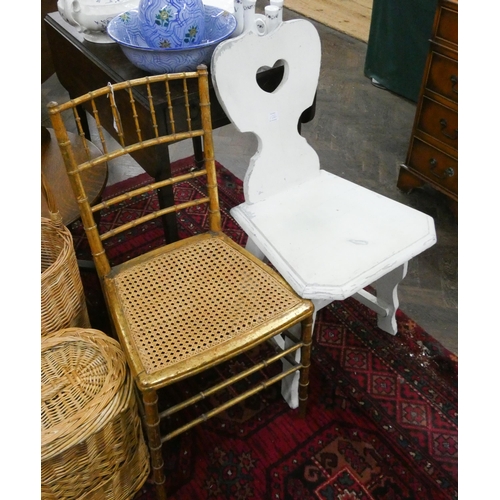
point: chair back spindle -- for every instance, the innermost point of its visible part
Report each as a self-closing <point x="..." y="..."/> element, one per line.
<point x="186" y="119"/>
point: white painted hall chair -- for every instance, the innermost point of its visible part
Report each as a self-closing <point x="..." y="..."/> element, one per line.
<point x="328" y="237"/>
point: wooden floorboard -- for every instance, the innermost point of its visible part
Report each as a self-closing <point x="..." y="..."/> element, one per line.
<point x="347" y="16"/>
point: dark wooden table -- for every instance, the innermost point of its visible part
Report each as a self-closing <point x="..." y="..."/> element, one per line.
<point x="82" y="66"/>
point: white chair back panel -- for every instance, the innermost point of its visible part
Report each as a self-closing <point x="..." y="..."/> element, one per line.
<point x="330" y="237"/>
<point x="283" y="158"/>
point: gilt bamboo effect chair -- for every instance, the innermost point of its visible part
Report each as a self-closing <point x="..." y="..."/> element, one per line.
<point x="328" y="237"/>
<point x="183" y="308"/>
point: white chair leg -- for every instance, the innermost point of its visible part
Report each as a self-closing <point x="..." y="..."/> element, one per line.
<point x="387" y="293"/>
<point x="290" y="384"/>
<point x="386" y="302"/>
<point x="254" y="249"/>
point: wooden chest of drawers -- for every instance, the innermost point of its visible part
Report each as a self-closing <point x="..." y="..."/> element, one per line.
<point x="433" y="151"/>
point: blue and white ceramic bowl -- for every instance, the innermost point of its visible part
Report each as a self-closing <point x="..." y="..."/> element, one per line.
<point x="125" y="29"/>
<point x="172" y="24"/>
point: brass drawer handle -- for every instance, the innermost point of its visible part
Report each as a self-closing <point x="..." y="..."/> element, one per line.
<point x="454" y="83"/>
<point x="444" y="125"/>
<point x="449" y="172"/>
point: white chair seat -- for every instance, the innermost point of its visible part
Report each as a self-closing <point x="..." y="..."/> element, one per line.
<point x="329" y="237"/>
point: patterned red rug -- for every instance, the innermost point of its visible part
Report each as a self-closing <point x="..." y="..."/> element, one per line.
<point x="383" y="411"/>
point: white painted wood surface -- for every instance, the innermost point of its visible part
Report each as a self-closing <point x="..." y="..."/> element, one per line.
<point x="283" y="157"/>
<point x="328" y="237"/>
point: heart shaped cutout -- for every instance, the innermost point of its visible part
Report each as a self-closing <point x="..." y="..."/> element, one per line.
<point x="273" y="77"/>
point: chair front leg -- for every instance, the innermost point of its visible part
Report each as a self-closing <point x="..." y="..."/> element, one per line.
<point x="385" y="303"/>
<point x="152" y="424"/>
<point x="290" y="384"/>
<point x="387" y="293"/>
<point x="305" y="359"/>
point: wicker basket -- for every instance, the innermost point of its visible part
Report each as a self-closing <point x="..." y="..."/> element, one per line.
<point x="63" y="299"/>
<point x="92" y="441"/>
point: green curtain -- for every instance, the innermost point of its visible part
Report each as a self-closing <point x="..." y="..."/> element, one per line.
<point x="398" y="44"/>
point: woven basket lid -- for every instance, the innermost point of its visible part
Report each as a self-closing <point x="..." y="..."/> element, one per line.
<point x="83" y="372"/>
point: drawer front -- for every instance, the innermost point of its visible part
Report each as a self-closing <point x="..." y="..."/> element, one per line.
<point x="447" y="28"/>
<point x="439" y="122"/>
<point x="437" y="166"/>
<point x="443" y="76"/>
